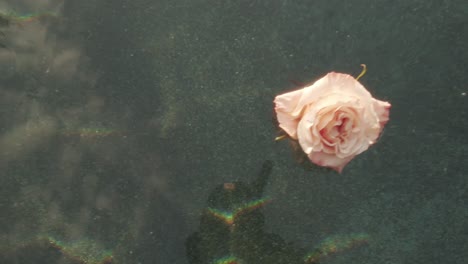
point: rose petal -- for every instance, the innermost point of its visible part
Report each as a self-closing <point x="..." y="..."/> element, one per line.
<point x="333" y="83"/>
<point x="284" y="106"/>
<point x="317" y="116"/>
<point x="382" y="109"/>
<point x="290" y="106"/>
<point x="329" y="160"/>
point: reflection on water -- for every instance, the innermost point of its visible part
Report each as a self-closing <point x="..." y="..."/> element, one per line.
<point x="7" y="19"/>
<point x="51" y="250"/>
<point x="232" y="230"/>
<point x="335" y="244"/>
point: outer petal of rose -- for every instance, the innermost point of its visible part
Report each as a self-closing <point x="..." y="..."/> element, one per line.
<point x="329" y="160"/>
<point x="334" y="83"/>
<point x="289" y="106"/>
<point x="285" y="105"/>
<point x="382" y="109"/>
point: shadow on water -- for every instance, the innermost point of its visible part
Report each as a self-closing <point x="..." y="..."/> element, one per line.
<point x="232" y="227"/>
<point x="232" y="230"/>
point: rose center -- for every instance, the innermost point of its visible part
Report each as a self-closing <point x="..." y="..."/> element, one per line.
<point x="338" y="129"/>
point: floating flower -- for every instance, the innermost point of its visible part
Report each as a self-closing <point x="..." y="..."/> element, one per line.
<point x="333" y="120"/>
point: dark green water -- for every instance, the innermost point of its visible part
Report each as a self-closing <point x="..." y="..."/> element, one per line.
<point x="121" y="121"/>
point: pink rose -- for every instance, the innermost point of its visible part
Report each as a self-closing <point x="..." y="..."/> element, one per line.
<point x="333" y="120"/>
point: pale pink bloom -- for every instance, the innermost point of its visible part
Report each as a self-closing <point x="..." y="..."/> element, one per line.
<point x="334" y="119"/>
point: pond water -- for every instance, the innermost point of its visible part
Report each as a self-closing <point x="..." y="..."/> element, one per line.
<point x="138" y="131"/>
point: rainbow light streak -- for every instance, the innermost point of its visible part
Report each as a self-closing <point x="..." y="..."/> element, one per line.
<point x="16" y="18"/>
<point x="335" y="244"/>
<point x="227" y="217"/>
<point x="85" y="251"/>
<point x="227" y="260"/>
<point x="230" y="217"/>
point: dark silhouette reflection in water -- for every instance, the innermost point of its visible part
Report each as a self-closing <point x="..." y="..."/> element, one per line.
<point x="232" y="228"/>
